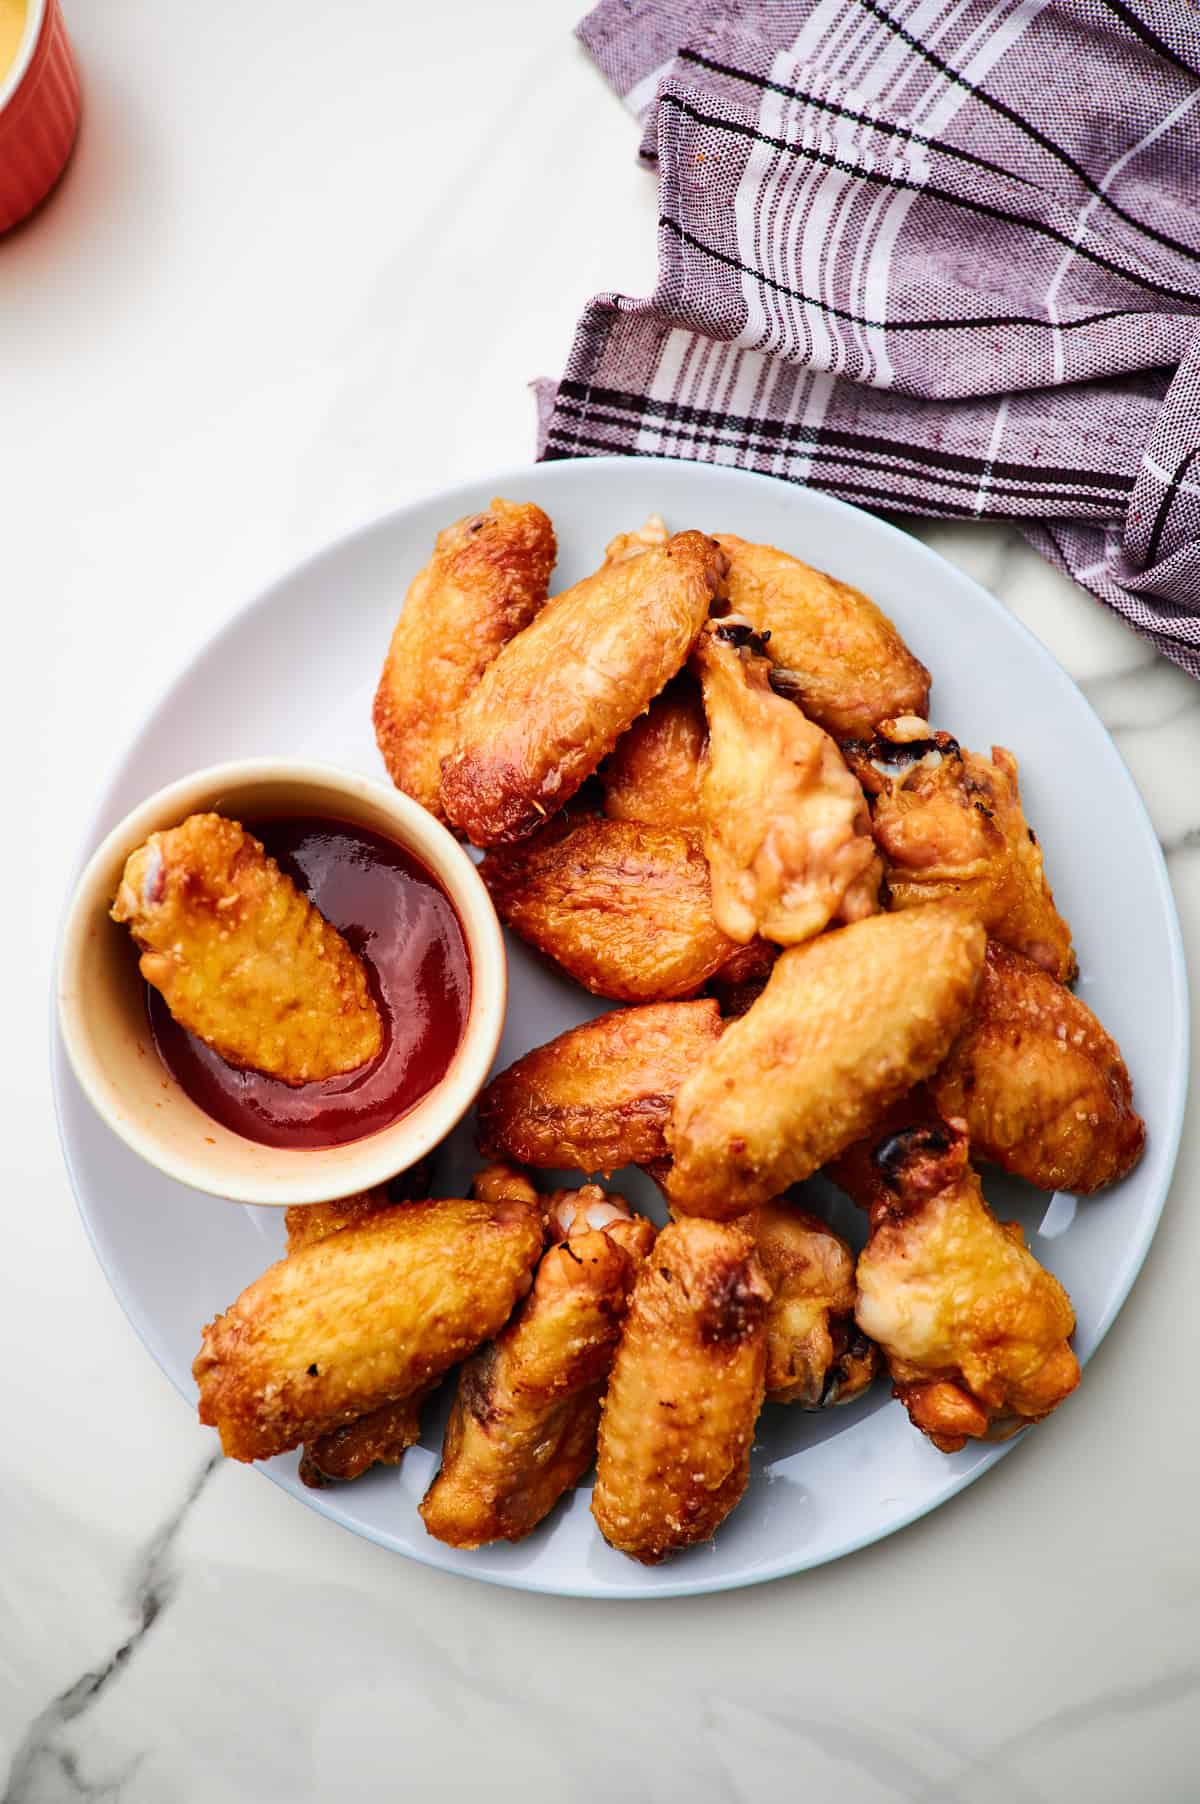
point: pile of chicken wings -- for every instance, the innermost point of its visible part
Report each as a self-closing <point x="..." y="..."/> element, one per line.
<point x="705" y="784"/>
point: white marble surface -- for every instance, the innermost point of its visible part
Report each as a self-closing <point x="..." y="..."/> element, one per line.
<point x="303" y="266"/>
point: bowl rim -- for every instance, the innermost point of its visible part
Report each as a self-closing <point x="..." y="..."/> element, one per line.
<point x="35" y="18"/>
<point x="361" y="1163"/>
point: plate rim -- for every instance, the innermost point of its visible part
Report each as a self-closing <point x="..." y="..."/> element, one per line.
<point x="1177" y="1057"/>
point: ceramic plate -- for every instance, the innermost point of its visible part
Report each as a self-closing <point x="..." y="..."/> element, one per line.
<point x="293" y="675"/>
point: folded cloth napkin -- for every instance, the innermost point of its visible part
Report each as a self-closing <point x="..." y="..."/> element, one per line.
<point x="935" y="256"/>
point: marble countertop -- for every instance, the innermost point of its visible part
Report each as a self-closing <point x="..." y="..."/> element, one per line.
<point x="302" y="268"/>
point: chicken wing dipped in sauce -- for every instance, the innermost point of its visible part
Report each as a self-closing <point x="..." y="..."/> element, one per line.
<point x="686" y="1388"/>
<point x="816" y="1353"/>
<point x="845" y="1026"/>
<point x="598" y="1096"/>
<point x="488" y="576"/>
<point x="559" y="696"/>
<point x="625" y="908"/>
<point x="1042" y="1088"/>
<point x="654" y="772"/>
<point x="975" y="1332"/>
<point x="834" y="651"/>
<point x="364" y="1317"/>
<point x="950" y="825"/>
<point x="787" y="833"/>
<point x="242" y="959"/>
<point x="522" y="1430"/>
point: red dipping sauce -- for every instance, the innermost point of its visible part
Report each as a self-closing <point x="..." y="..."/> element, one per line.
<point x="394" y="914"/>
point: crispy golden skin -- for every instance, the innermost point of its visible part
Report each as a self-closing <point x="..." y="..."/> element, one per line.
<point x="950" y="824"/>
<point x="625" y="908"/>
<point x="242" y="959"/>
<point x="559" y="696"/>
<point x="654" y="772"/>
<point x="787" y="833"/>
<point x="653" y="532"/>
<point x="846" y="1024"/>
<point x="974" y="1330"/>
<point x="599" y="1096"/>
<point x="361" y="1318"/>
<point x="816" y="1355"/>
<point x="523" y="1427"/>
<point x="1042" y="1088"/>
<point x="686" y="1388"/>
<point x="306" y="1223"/>
<point x="487" y="578"/>
<point x="836" y="653"/>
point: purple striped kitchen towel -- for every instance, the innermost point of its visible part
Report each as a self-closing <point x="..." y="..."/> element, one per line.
<point x="935" y="256"/>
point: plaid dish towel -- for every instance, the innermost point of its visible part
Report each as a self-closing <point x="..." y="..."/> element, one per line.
<point x="934" y="256"/>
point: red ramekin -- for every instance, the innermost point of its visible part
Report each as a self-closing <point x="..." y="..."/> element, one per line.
<point x="39" y="113"/>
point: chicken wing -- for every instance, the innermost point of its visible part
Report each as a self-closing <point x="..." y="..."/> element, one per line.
<point x="1042" y="1088"/>
<point x="487" y="578"/>
<point x="364" y="1317"/>
<point x="522" y="1430"/>
<point x="654" y="772"/>
<point x="787" y="833"/>
<point x="686" y="1388"/>
<point x="950" y="824"/>
<point x="599" y="1096"/>
<point x="835" y="652"/>
<point x="846" y="1024"/>
<point x="559" y="696"/>
<point x="974" y="1330"/>
<point x="816" y="1354"/>
<point x="242" y="959"/>
<point x="625" y="908"/>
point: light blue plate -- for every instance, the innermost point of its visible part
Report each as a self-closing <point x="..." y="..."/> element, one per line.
<point x="294" y="674"/>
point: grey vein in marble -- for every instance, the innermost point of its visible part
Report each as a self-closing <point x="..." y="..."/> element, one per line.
<point x="1123" y="1701"/>
<point x="151" y="1588"/>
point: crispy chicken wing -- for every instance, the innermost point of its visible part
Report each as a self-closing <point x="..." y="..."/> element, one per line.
<point x="686" y="1388"/>
<point x="242" y="959"/>
<point x="363" y="1317"/>
<point x="974" y="1330"/>
<point x="816" y="1354"/>
<point x="654" y="772"/>
<point x="787" y="833"/>
<point x="625" y="908"/>
<point x="846" y="1024"/>
<point x="1042" y="1088"/>
<point x="487" y="578"/>
<point x="523" y="1427"/>
<point x="598" y="1097"/>
<point x="834" y="651"/>
<point x="559" y="696"/>
<point x="950" y="824"/>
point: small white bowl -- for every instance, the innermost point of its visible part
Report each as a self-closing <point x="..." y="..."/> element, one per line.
<point x="102" y="1010"/>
